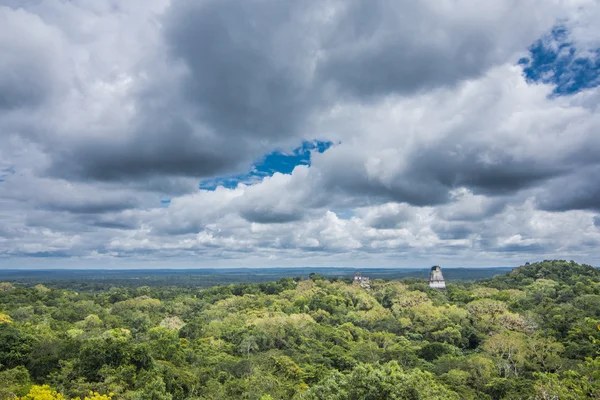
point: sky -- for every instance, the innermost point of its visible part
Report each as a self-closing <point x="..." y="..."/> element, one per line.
<point x="266" y="133"/>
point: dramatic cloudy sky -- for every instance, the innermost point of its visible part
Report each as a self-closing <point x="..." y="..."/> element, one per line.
<point x="359" y="133"/>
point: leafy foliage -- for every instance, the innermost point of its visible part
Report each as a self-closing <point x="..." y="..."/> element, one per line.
<point x="531" y="334"/>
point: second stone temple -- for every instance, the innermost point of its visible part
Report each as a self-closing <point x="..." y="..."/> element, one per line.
<point x="436" y="279"/>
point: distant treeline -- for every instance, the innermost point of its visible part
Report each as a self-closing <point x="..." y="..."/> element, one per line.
<point x="104" y="279"/>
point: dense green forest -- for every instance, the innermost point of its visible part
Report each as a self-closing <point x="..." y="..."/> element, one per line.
<point x="531" y="334"/>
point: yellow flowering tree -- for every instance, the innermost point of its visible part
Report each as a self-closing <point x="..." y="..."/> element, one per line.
<point x="45" y="392"/>
<point x="5" y="318"/>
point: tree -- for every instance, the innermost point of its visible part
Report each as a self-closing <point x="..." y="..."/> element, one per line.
<point x="14" y="382"/>
<point x="6" y="286"/>
<point x="153" y="390"/>
<point x="43" y="392"/>
<point x="15" y="345"/>
<point x="5" y="319"/>
<point x="510" y="351"/>
<point x="380" y="382"/>
<point x="545" y="353"/>
<point x="249" y="343"/>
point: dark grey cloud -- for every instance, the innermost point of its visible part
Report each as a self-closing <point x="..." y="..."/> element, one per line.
<point x="45" y="254"/>
<point x="475" y="212"/>
<point x="491" y="242"/>
<point x="248" y="63"/>
<point x="453" y="231"/>
<point x="387" y="223"/>
<point x="181" y="227"/>
<point x="72" y="197"/>
<point x="92" y="206"/>
<point x="521" y="248"/>
<point x="5" y="232"/>
<point x="19" y="91"/>
<point x="267" y="215"/>
<point x="113" y="225"/>
<point x="577" y="191"/>
<point x="597" y="221"/>
<point x="381" y="47"/>
<point x="453" y="168"/>
<point x="126" y="220"/>
<point x="432" y="173"/>
<point x="404" y="190"/>
<point x="30" y="71"/>
<point x="167" y="146"/>
<point x="390" y="217"/>
<point x="345" y="174"/>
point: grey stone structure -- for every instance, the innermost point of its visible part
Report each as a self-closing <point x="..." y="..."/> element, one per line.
<point x="436" y="279"/>
<point x="362" y="281"/>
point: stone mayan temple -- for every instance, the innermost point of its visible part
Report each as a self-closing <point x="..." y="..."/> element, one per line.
<point x="362" y="281"/>
<point x="436" y="279"/>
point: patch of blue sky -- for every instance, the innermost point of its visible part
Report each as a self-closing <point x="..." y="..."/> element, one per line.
<point x="276" y="161"/>
<point x="554" y="59"/>
<point x="344" y="213"/>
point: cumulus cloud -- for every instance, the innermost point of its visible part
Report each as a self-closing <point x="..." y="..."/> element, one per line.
<point x="496" y="136"/>
<point x="112" y="113"/>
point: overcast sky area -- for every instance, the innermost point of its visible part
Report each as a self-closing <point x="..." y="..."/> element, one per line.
<point x="361" y="133"/>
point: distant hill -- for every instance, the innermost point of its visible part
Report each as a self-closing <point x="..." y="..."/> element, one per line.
<point x="226" y="276"/>
<point x="566" y="272"/>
